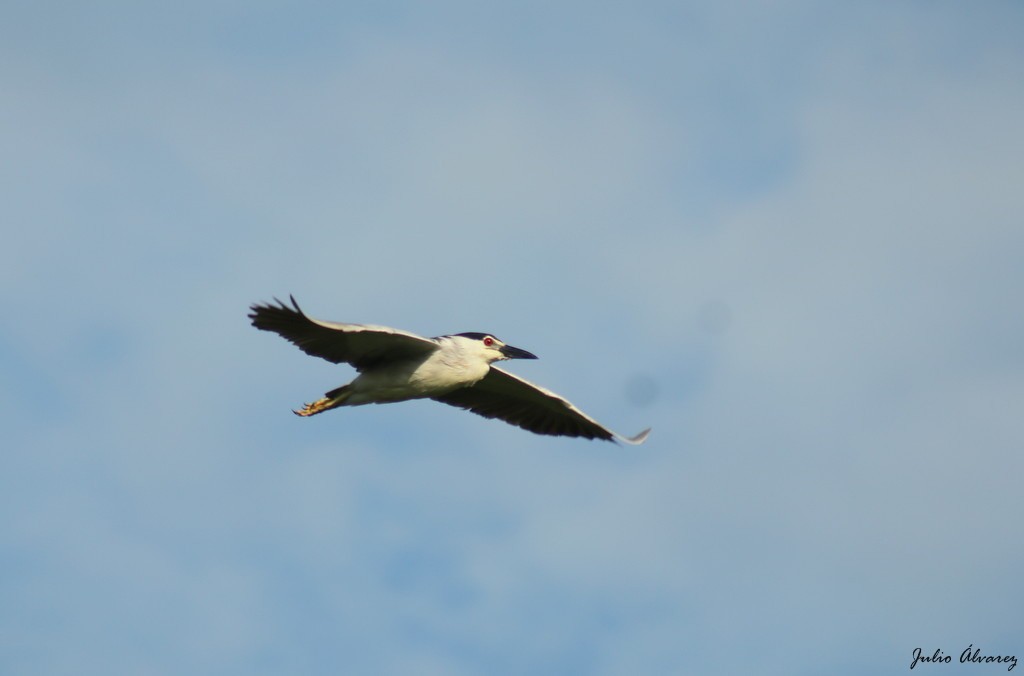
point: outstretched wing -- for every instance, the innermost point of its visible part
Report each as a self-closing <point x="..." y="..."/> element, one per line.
<point x="510" y="398"/>
<point x="360" y="345"/>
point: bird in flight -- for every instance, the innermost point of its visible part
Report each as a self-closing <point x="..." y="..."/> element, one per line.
<point x="396" y="365"/>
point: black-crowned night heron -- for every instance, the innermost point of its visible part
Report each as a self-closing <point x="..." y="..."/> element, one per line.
<point x="397" y="365"/>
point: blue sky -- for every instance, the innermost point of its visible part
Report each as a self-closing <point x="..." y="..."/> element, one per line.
<point x="785" y="235"/>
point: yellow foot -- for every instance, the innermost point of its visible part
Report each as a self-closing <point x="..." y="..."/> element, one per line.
<point x="314" y="408"/>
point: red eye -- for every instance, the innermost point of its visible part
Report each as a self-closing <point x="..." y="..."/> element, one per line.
<point x="488" y="341"/>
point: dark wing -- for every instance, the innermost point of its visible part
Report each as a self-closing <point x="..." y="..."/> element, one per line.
<point x="510" y="398"/>
<point x="360" y="345"/>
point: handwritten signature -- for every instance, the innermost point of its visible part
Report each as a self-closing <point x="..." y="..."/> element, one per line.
<point x="971" y="655"/>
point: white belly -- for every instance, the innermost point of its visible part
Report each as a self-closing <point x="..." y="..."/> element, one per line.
<point x="414" y="380"/>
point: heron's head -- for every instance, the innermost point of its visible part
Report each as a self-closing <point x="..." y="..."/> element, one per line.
<point x="492" y="349"/>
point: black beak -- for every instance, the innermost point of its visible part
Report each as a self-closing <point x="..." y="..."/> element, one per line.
<point x="515" y="353"/>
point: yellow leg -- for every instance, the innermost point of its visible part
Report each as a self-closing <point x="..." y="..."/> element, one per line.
<point x="318" y="406"/>
<point x="324" y="403"/>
